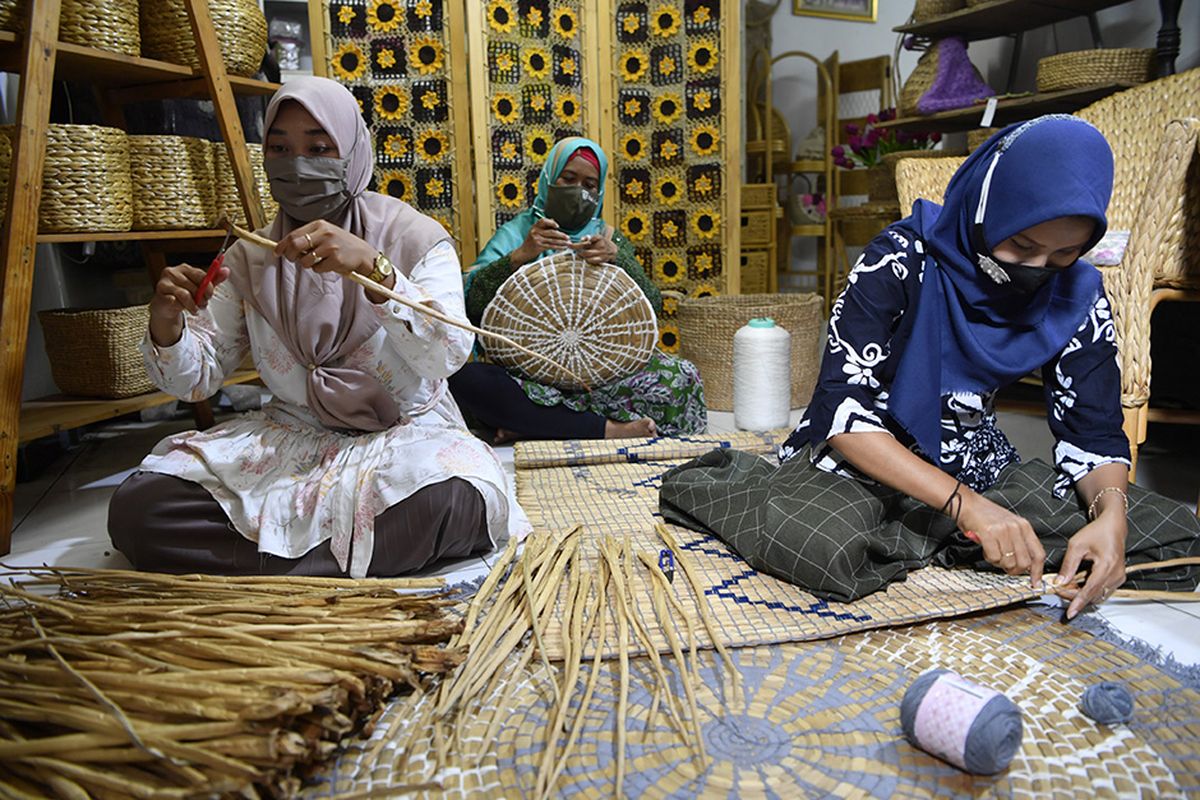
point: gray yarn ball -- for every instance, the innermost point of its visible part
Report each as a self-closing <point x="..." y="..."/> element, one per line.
<point x="1109" y="703"/>
<point x="993" y="738"/>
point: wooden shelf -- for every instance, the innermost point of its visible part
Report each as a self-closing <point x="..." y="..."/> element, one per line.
<point x="807" y="230"/>
<point x="808" y="165"/>
<point x="1013" y="109"/>
<point x="1003" y="18"/>
<point x="50" y="415"/>
<point x="130" y="236"/>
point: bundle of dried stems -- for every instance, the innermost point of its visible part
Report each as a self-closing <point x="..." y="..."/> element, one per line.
<point x="131" y="684"/>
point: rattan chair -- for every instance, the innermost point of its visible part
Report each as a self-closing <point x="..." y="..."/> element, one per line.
<point x="1154" y="130"/>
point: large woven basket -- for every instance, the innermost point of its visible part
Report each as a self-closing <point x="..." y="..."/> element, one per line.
<point x="12" y="14"/>
<point x="104" y="24"/>
<point x="1091" y="67"/>
<point x="241" y="30"/>
<point x="881" y="178"/>
<point x="594" y="320"/>
<point x="229" y="203"/>
<point x="707" y="326"/>
<point x="94" y="353"/>
<point x="86" y="180"/>
<point x="173" y="185"/>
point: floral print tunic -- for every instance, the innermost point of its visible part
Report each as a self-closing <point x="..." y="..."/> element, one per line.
<point x="288" y="483"/>
<point x="866" y="338"/>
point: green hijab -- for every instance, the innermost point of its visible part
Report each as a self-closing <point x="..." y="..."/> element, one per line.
<point x="512" y="234"/>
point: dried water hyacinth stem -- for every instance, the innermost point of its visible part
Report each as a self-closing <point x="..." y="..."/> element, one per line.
<point x="1142" y="594"/>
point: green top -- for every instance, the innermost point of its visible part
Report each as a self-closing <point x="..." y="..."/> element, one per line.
<point x="761" y="322"/>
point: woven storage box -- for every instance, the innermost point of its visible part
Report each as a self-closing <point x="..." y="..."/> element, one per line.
<point x="241" y="30"/>
<point x="173" y="185"/>
<point x="229" y="203"/>
<point x="758" y="195"/>
<point x="928" y="9"/>
<point x="756" y="271"/>
<point x="12" y="14"/>
<point x="86" y="180"/>
<point x="707" y="326"/>
<point x="1091" y="67"/>
<point x="757" y="226"/>
<point x="594" y="320"/>
<point x="94" y="353"/>
<point x="104" y="24"/>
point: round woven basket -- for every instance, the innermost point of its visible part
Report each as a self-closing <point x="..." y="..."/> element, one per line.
<point x="173" y="185"/>
<point x="707" y="326"/>
<point x="12" y="14"/>
<point x="94" y="353"/>
<point x="229" y="203"/>
<point x="1091" y="67"/>
<point x="928" y="9"/>
<point x="104" y="24"/>
<point x="594" y="320"/>
<point x="86" y="182"/>
<point x="241" y="30"/>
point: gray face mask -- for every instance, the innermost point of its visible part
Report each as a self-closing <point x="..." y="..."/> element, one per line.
<point x="309" y="187"/>
<point x="571" y="207"/>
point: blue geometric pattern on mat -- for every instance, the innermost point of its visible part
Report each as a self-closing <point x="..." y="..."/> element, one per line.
<point x="633" y="458"/>
<point x="654" y="481"/>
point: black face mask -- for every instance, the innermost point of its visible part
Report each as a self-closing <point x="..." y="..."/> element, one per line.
<point x="571" y="207"/>
<point x="1020" y="279"/>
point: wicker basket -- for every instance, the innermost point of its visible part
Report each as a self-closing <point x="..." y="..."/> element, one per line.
<point x="86" y="180"/>
<point x="1091" y="67"/>
<point x="925" y="10"/>
<point x="707" y="325"/>
<point x="241" y="30"/>
<point x="593" y="320"/>
<point x="13" y="14"/>
<point x="104" y="24"/>
<point x="973" y="3"/>
<point x="881" y="178"/>
<point x="6" y="145"/>
<point x="229" y="203"/>
<point x="94" y="353"/>
<point x="978" y="137"/>
<point x="173" y="185"/>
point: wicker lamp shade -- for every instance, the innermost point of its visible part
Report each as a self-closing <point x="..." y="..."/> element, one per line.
<point x="229" y="203"/>
<point x="172" y="183"/>
<point x="1090" y="67"/>
<point x="105" y="24"/>
<point x="94" y="353"/>
<point x="594" y="320"/>
<point x="86" y="182"/>
<point x="240" y="25"/>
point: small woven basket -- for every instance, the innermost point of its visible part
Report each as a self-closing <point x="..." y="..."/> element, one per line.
<point x="241" y="31"/>
<point x="978" y="137"/>
<point x="707" y="326"/>
<point x="86" y="182"/>
<point x="103" y="24"/>
<point x="173" y="185"/>
<point x="6" y="134"/>
<point x="928" y="9"/>
<point x="881" y="178"/>
<point x="594" y="320"/>
<point x="94" y="353"/>
<point x="1092" y="67"/>
<point x="229" y="203"/>
<point x="13" y="14"/>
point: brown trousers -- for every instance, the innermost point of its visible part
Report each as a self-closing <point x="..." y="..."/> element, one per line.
<point x="166" y="524"/>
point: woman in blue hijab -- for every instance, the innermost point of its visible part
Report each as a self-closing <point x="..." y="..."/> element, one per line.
<point x="898" y="461"/>
<point x="665" y="397"/>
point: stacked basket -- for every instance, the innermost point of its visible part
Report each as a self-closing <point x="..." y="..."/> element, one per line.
<point x="12" y="14"/>
<point x="240" y="25"/>
<point x="229" y="202"/>
<point x="172" y="183"/>
<point x="105" y="24"/>
<point x="86" y="180"/>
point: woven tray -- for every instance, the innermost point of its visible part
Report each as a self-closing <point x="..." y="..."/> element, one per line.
<point x="86" y="180"/>
<point x="1091" y="67"/>
<point x="229" y="203"/>
<point x="594" y="320"/>
<point x="707" y="326"/>
<point x="241" y="30"/>
<point x="173" y="185"/>
<point x="94" y="353"/>
<point x="12" y="14"/>
<point x="104" y="24"/>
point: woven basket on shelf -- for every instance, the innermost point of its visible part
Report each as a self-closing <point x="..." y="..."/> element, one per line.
<point x="241" y="30"/>
<point x="94" y="353"/>
<point x="978" y="137"/>
<point x="881" y="178"/>
<point x="104" y="24"/>
<point x="1091" y="67"/>
<point x="86" y="180"/>
<point x="229" y="203"/>
<point x="6" y="134"/>
<point x="173" y="185"/>
<point x="12" y="14"/>
<point x="928" y="9"/>
<point x="594" y="320"/>
<point x="707" y="326"/>
<point x="973" y="3"/>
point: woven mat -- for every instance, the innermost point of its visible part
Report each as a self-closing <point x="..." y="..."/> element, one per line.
<point x="612" y="489"/>
<point x="821" y="719"/>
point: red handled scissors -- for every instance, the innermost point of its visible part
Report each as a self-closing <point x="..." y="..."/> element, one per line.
<point x="213" y="268"/>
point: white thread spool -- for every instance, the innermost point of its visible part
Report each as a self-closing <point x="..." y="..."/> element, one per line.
<point x="762" y="378"/>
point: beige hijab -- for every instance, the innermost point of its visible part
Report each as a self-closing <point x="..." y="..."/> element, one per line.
<point x="323" y="318"/>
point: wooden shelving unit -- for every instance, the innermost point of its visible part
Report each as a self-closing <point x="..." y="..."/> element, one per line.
<point x="1003" y="18"/>
<point x="41" y="59"/>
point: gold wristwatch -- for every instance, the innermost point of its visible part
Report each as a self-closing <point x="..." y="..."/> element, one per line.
<point x="383" y="268"/>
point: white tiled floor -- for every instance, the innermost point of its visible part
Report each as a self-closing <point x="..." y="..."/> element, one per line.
<point x="60" y="518"/>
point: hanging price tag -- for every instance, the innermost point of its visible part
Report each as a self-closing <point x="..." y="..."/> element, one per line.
<point x="989" y="111"/>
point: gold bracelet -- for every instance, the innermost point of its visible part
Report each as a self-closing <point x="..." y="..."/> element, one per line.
<point x="1101" y="493"/>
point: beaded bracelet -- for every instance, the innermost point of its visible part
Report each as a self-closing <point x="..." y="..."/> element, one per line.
<point x="1101" y="493"/>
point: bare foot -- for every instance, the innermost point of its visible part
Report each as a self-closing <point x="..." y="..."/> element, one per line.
<point x="638" y="429"/>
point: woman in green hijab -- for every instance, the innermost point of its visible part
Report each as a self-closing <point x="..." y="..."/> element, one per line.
<point x="665" y="397"/>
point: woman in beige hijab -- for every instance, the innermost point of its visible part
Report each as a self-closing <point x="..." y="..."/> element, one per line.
<point x="361" y="464"/>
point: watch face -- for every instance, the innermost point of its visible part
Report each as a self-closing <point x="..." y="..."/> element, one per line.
<point x="382" y="265"/>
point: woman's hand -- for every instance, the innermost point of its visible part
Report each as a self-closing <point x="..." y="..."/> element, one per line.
<point x="324" y="247"/>
<point x="598" y="249"/>
<point x="1101" y="542"/>
<point x="1007" y="539"/>
<point x="543" y="236"/>
<point x="175" y="293"/>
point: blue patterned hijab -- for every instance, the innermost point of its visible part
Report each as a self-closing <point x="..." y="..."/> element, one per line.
<point x="970" y="334"/>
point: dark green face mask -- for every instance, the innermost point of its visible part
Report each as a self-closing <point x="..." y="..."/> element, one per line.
<point x="571" y="207"/>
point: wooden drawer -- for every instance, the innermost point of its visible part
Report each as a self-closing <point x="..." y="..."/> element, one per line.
<point x="756" y="271"/>
<point x="758" y="195"/>
<point x="758" y="226"/>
